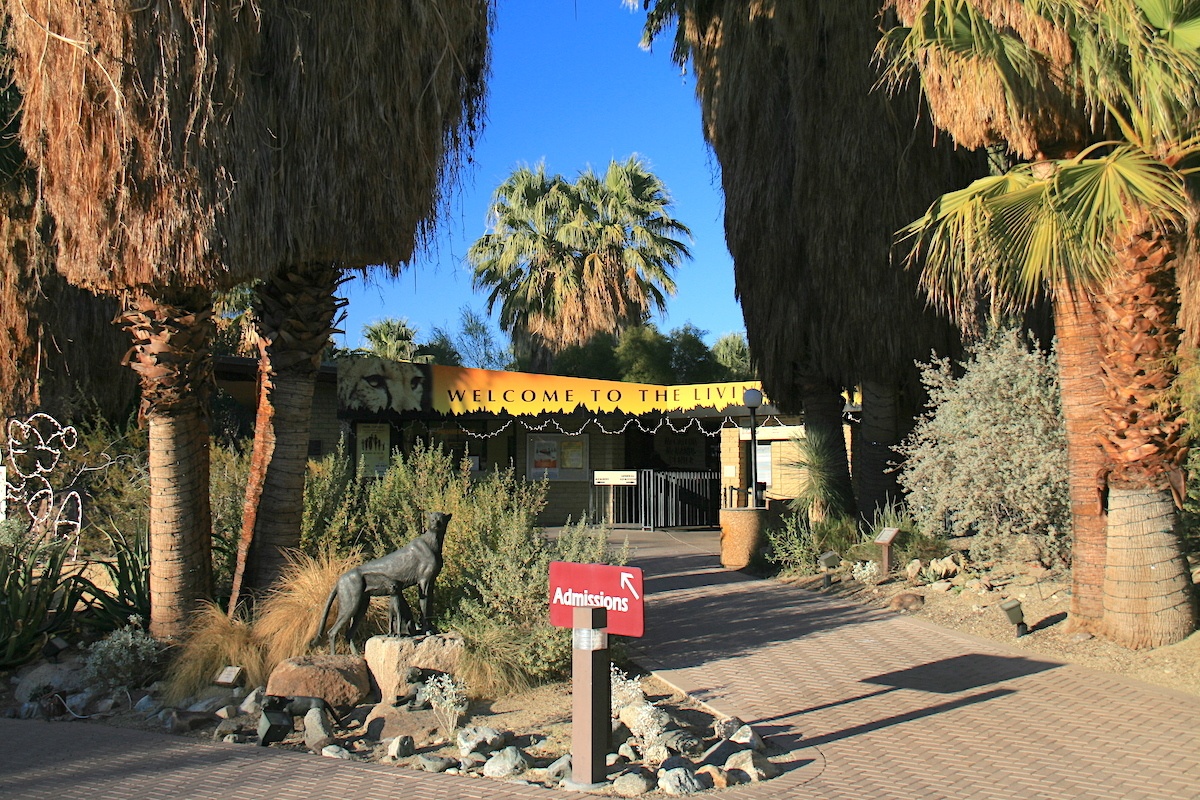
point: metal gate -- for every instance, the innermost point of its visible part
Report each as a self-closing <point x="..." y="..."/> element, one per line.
<point x="661" y="499"/>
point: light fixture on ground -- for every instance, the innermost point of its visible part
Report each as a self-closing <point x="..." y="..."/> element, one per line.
<point x="1015" y="615"/>
<point x="828" y="560"/>
<point x="753" y="398"/>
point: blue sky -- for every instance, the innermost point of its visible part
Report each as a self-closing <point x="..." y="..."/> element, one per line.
<point x="570" y="86"/>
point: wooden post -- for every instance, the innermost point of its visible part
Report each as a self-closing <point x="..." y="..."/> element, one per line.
<point x="591" y="701"/>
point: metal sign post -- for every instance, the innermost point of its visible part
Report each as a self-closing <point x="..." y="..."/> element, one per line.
<point x="591" y="697"/>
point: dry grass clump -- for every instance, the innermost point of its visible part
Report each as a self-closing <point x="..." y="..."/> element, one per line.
<point x="286" y="618"/>
<point x="214" y="641"/>
<point x="283" y="626"/>
<point x="490" y="663"/>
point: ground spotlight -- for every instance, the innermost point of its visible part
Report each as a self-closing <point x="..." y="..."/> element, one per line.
<point x="1015" y="615"/>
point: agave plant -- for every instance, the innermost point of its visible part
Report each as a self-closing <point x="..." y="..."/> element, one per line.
<point x="37" y="593"/>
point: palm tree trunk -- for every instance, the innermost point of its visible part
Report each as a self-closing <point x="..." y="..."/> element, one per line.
<point x="1147" y="586"/>
<point x="878" y="433"/>
<point x="823" y="405"/>
<point x="180" y="521"/>
<point x="294" y="313"/>
<point x="170" y="354"/>
<point x="1083" y="397"/>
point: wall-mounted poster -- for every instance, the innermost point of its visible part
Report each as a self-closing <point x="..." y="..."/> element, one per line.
<point x="373" y="447"/>
<point x="557" y="457"/>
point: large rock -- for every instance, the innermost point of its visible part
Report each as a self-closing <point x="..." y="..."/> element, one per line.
<point x="633" y="784"/>
<point x="750" y="765"/>
<point x="713" y="777"/>
<point x="682" y="742"/>
<point x="679" y="781"/>
<point x="390" y="657"/>
<point x="385" y="721"/>
<point x="430" y="763"/>
<point x="720" y="752"/>
<point x="44" y="679"/>
<point x="318" y="734"/>
<point x="480" y="739"/>
<point x="506" y="763"/>
<point x="749" y="737"/>
<point x="338" y="680"/>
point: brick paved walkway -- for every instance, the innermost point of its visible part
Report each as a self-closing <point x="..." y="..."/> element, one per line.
<point x="875" y="705"/>
<point x="866" y="704"/>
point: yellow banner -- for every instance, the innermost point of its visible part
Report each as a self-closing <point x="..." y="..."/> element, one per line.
<point x="461" y="390"/>
<point x="370" y="387"/>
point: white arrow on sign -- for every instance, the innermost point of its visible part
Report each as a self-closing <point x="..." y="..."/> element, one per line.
<point x="627" y="583"/>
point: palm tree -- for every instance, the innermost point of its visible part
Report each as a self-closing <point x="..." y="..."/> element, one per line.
<point x="567" y="261"/>
<point x="417" y="72"/>
<point x="392" y="338"/>
<point x="184" y="148"/>
<point x="1103" y="98"/>
<point x="818" y="172"/>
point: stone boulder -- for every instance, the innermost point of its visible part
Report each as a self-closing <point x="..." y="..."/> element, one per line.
<point x="750" y="766"/>
<point x="389" y="659"/>
<point x="318" y="733"/>
<point x="633" y="784"/>
<point x="65" y="677"/>
<point x="749" y="737"/>
<point x="713" y="777"/>
<point x="480" y="739"/>
<point x="338" y="680"/>
<point x="506" y="763"/>
<point x="429" y="763"/>
<point x="679" y="781"/>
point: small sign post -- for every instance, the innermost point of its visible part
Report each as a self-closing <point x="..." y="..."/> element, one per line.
<point x="593" y="600"/>
<point x="884" y="540"/>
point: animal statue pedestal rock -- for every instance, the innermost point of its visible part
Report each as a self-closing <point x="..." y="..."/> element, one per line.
<point x="389" y="659"/>
<point x="340" y="681"/>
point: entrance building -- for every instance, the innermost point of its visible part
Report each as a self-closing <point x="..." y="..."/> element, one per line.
<point x="634" y="454"/>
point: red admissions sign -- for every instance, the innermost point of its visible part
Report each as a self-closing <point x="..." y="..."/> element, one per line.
<point x="617" y="589"/>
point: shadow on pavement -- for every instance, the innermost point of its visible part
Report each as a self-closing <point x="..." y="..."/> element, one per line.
<point x="686" y="628"/>
<point x="962" y="673"/>
<point x="793" y="741"/>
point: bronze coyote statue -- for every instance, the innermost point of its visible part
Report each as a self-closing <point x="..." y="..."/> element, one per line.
<point x="416" y="564"/>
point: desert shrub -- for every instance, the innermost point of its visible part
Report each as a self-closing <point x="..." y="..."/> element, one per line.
<point x="819" y="492"/>
<point x="37" y="593"/>
<point x="625" y="690"/>
<point x="796" y="544"/>
<point x="912" y="542"/>
<point x="866" y="572"/>
<point x="493" y="588"/>
<point x="378" y="515"/>
<point x="792" y="546"/>
<point x="449" y="700"/>
<point x="989" y="458"/>
<point x="127" y="658"/>
<point x="508" y="597"/>
<point x="109" y="468"/>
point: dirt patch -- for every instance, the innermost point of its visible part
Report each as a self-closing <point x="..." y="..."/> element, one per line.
<point x="1045" y="600"/>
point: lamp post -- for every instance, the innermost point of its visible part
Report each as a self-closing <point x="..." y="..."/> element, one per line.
<point x="753" y="398"/>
